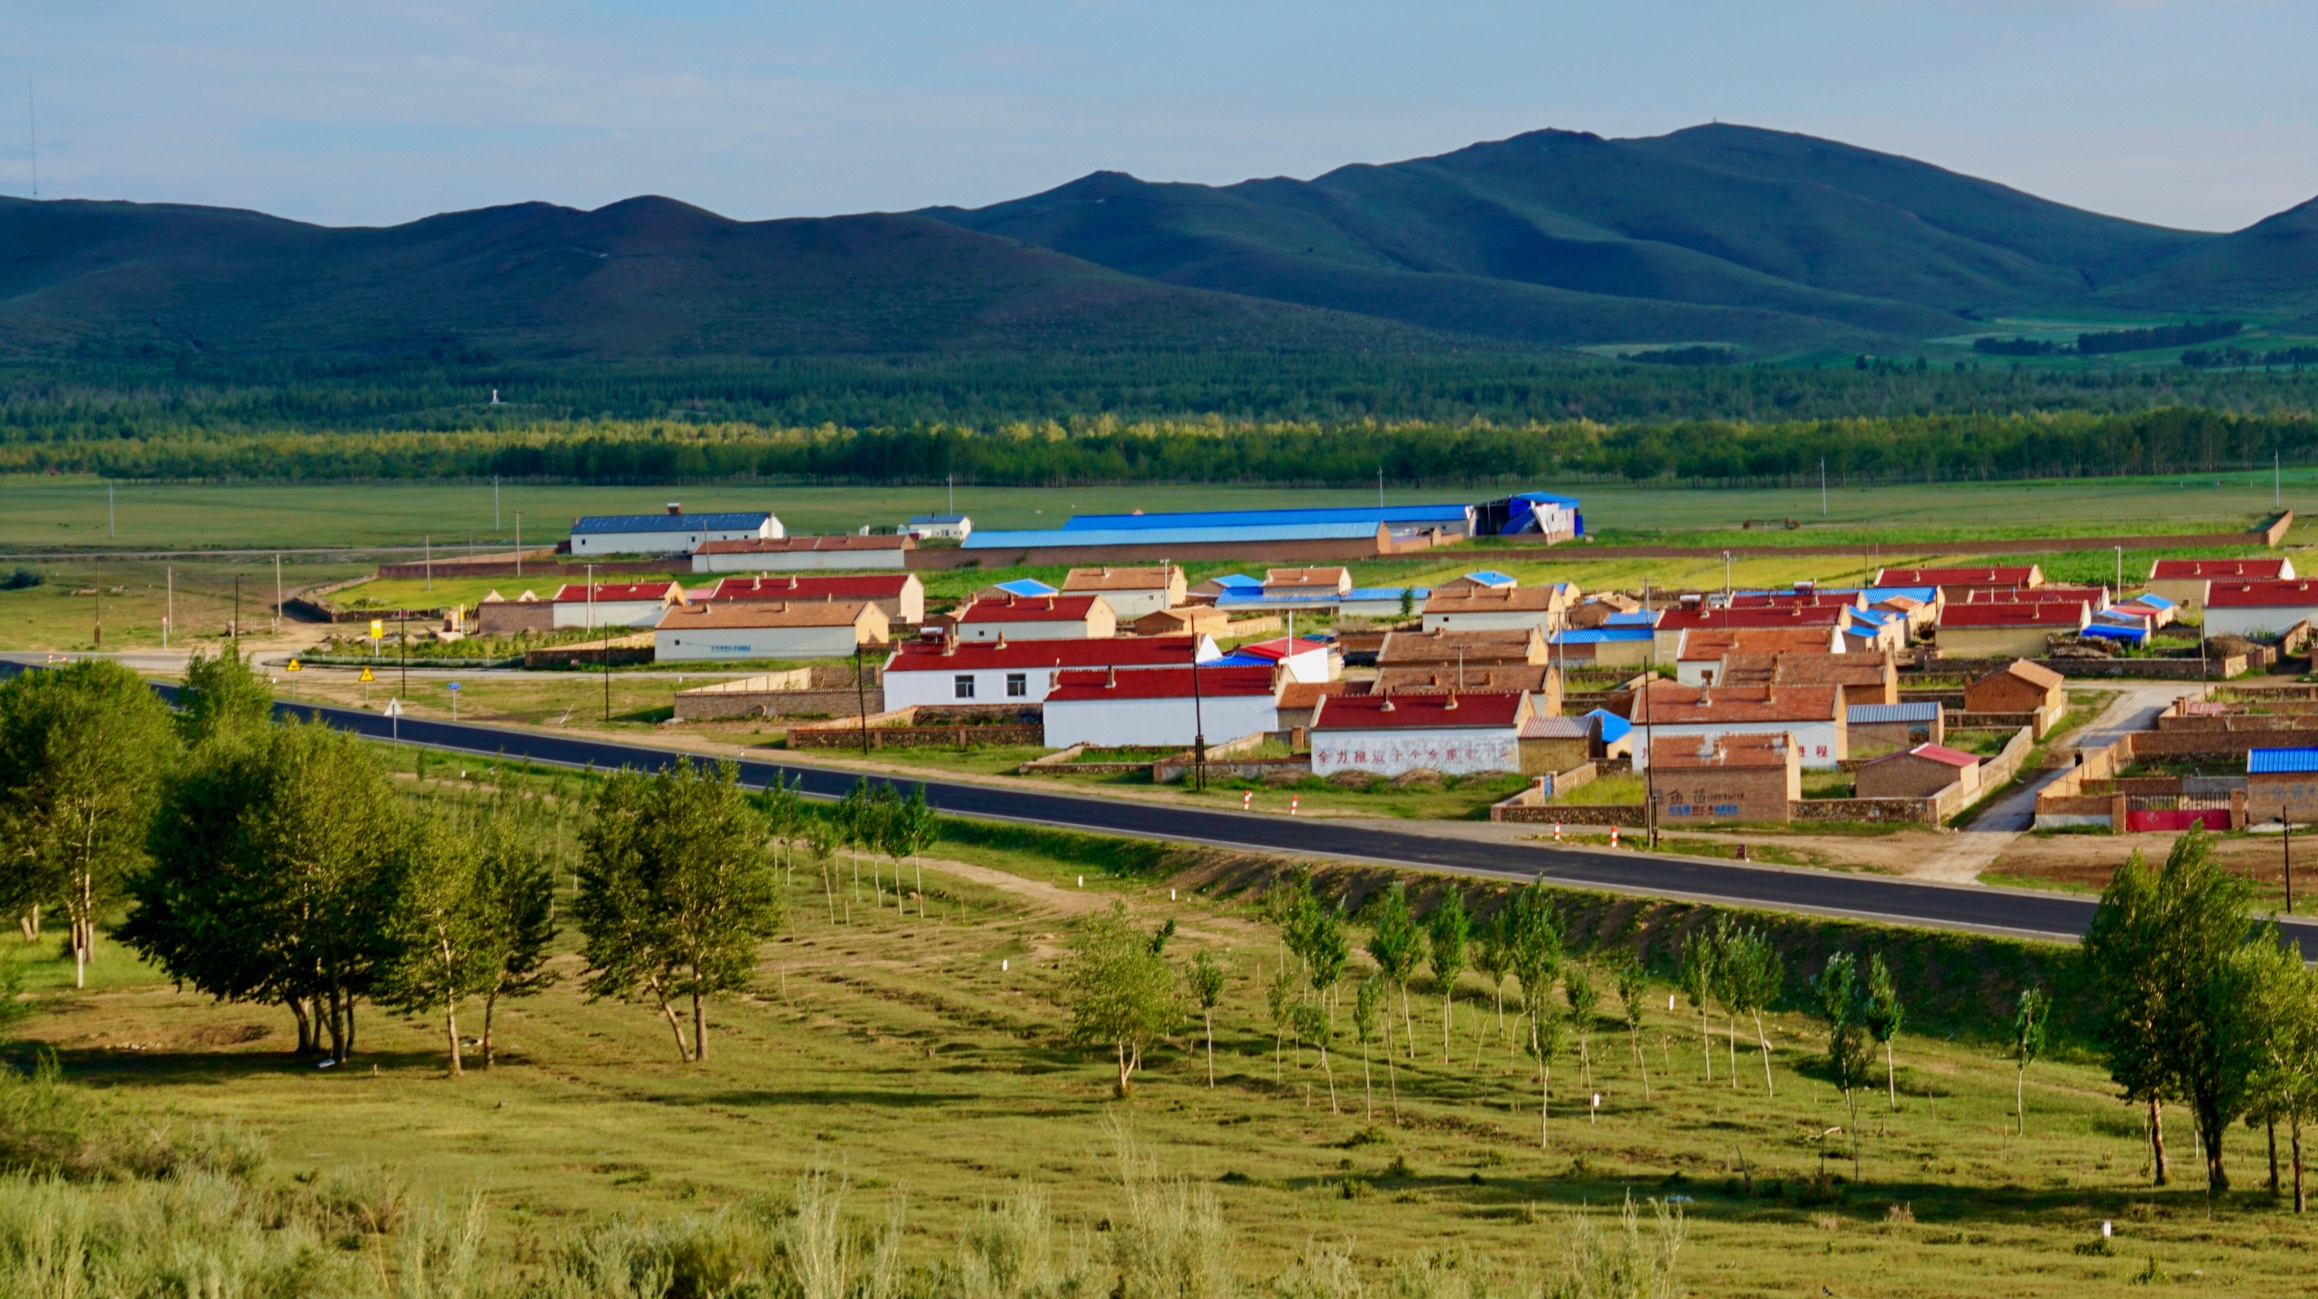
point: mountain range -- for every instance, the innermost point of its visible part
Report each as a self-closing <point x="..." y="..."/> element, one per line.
<point x="1770" y="242"/>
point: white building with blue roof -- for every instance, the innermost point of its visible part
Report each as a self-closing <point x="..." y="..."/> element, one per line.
<point x="671" y="533"/>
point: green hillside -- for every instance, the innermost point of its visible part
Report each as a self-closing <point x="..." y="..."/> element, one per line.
<point x="1558" y="236"/>
<point x="2270" y="266"/>
<point x="647" y="277"/>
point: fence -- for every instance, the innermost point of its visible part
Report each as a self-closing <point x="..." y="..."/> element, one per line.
<point x="810" y="692"/>
<point x="924" y="726"/>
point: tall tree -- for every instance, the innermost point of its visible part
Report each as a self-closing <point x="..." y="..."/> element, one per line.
<point x="2286" y="1013"/>
<point x="516" y="885"/>
<point x="2155" y="953"/>
<point x="275" y="866"/>
<point x="82" y="753"/>
<point x="1205" y="982"/>
<point x="223" y="696"/>
<point x="1633" y="986"/>
<point x="1119" y="990"/>
<point x="676" y="890"/>
<point x="1447" y="930"/>
<point x="1396" y="945"/>
<point x="442" y="930"/>
<point x="1882" y="1014"/>
<point x="2028" y="1031"/>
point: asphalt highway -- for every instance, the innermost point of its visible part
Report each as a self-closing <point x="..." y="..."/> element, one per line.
<point x="1863" y="897"/>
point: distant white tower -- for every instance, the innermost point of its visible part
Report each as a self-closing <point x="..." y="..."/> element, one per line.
<point x="494" y="396"/>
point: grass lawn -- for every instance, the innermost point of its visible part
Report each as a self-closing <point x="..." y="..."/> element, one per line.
<point x="926" y="1058"/>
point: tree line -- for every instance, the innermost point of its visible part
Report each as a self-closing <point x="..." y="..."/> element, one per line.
<point x="1943" y="448"/>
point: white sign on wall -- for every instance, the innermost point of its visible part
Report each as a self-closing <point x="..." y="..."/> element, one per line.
<point x="1388" y="753"/>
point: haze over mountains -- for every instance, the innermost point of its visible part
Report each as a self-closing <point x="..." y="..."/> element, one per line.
<point x="1717" y="234"/>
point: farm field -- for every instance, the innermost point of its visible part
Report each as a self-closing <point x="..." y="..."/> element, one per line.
<point x="925" y="1057"/>
<point x="46" y="514"/>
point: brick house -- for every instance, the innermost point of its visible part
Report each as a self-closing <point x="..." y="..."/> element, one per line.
<point x="2281" y="782"/>
<point x="2020" y="687"/>
<point x="1697" y="779"/>
<point x="1925" y="771"/>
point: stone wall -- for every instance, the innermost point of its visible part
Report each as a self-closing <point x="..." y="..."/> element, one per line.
<point x="925" y="727"/>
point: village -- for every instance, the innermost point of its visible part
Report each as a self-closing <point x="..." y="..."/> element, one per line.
<point x="1976" y="699"/>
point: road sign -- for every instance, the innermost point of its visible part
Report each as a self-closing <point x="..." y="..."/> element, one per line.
<point x="394" y="707"/>
<point x="294" y="666"/>
<point x="366" y="675"/>
<point x="453" y="686"/>
<point x="378" y="629"/>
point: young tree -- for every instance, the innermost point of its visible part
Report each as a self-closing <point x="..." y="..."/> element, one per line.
<point x="1316" y="1026"/>
<point x="1119" y="990"/>
<point x="1585" y="1007"/>
<point x="1205" y="980"/>
<point x="1882" y="1015"/>
<point x="1364" y="1006"/>
<point x="1840" y="1000"/>
<point x="1545" y="1035"/>
<point x="1633" y="986"/>
<point x="911" y="829"/>
<point x="1280" y="999"/>
<point x="2028" y="1022"/>
<point x="82" y="753"/>
<point x="1533" y="934"/>
<point x="676" y="892"/>
<point x="1698" y="979"/>
<point x="1754" y="976"/>
<point x="441" y="927"/>
<point x="223" y="696"/>
<point x="1396" y="945"/>
<point x="783" y="805"/>
<point x="821" y="841"/>
<point x="1493" y="957"/>
<point x="2287" y="1015"/>
<point x="2155" y="950"/>
<point x="1447" y="930"/>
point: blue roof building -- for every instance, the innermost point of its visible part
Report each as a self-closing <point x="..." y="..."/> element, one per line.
<point x="1054" y="538"/>
<point x="1400" y="518"/>
<point x="2281" y="762"/>
<point x="1029" y="587"/>
<point x="671" y="533"/>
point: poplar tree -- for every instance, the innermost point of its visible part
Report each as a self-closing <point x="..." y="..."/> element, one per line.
<point x="1753" y="977"/>
<point x="1842" y="1003"/>
<point x="1585" y="1006"/>
<point x="2028" y="1025"/>
<point x="1698" y="980"/>
<point x="1396" y="945"/>
<point x="676" y="892"/>
<point x="441" y="925"/>
<point x="1882" y="1014"/>
<point x="1119" y="991"/>
<point x="911" y="828"/>
<point x="1534" y="936"/>
<point x="515" y="882"/>
<point x="1633" y="986"/>
<point x="1493" y="957"/>
<point x="222" y="696"/>
<point x="1364" y="1005"/>
<point x="1205" y="981"/>
<point x="1447" y="930"/>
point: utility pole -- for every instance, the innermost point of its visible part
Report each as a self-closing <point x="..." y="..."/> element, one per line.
<point x="430" y="562"/>
<point x="1822" y="487"/>
<point x="109" y="533"/>
<point x="1199" y="721"/>
<point x="494" y="502"/>
<point x="1380" y="487"/>
<point x="1726" y="592"/>
<point x="277" y="593"/>
<point x="2277" y="481"/>
<point x="402" y="633"/>
<point x="100" y="618"/>
<point x="169" y="603"/>
<point x="235" y="633"/>
<point x="861" y="695"/>
<point x="2118" y="592"/>
<point x="2286" y="846"/>
<point x="519" y="543"/>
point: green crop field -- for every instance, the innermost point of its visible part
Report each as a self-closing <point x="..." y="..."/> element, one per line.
<point x="925" y="1058"/>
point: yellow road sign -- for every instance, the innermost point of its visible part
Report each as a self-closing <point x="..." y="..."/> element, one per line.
<point x="377" y="628"/>
<point x="366" y="674"/>
<point x="294" y="666"/>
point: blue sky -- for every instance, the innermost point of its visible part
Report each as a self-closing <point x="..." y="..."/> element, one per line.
<point x="2196" y="113"/>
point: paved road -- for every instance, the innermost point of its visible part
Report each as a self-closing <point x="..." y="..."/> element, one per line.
<point x="1865" y="897"/>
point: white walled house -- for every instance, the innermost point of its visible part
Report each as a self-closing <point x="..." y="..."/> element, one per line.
<point x="1156" y="707"/>
<point x="1814" y="715"/>
<point x="1454" y="733"/>
<point x="802" y="554"/>
<point x="901" y="596"/>
<point x="1301" y="659"/>
<point x="2266" y="608"/>
<point x="672" y="533"/>
<point x="1007" y="672"/>
<point x="1476" y="607"/>
<point x="615" y="604"/>
<point x="939" y="527"/>
<point x="1051" y="617"/>
<point x="767" y="629"/>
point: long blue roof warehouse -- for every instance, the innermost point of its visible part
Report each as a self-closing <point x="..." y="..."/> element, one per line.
<point x="1523" y="512"/>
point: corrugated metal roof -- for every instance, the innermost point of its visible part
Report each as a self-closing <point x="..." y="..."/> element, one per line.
<point x="1161" y="683"/>
<point x="1368" y="515"/>
<point x="1360" y="594"/>
<point x="596" y="523"/>
<point x="1049" y="538"/>
<point x="2281" y="762"/>
<point x="1030" y="586"/>
<point x="1870" y="714"/>
<point x="1602" y="635"/>
<point x="1614" y="727"/>
<point x="1454" y="710"/>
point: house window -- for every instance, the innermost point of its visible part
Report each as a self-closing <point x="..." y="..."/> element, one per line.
<point x="962" y="687"/>
<point x="1018" y="685"/>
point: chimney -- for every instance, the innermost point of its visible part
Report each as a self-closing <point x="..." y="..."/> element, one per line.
<point x="676" y="507"/>
<point x="1805" y="586"/>
<point x="1452" y="704"/>
<point x="1111" y="678"/>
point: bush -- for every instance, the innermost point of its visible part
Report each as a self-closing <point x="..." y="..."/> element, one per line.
<point x="49" y="1128"/>
<point x="21" y="579"/>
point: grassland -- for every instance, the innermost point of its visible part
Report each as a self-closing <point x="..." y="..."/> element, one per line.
<point x="927" y="1058"/>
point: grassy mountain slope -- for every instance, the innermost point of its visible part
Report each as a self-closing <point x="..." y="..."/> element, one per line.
<point x="2271" y="265"/>
<point x="647" y="277"/>
<point x="1780" y="226"/>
